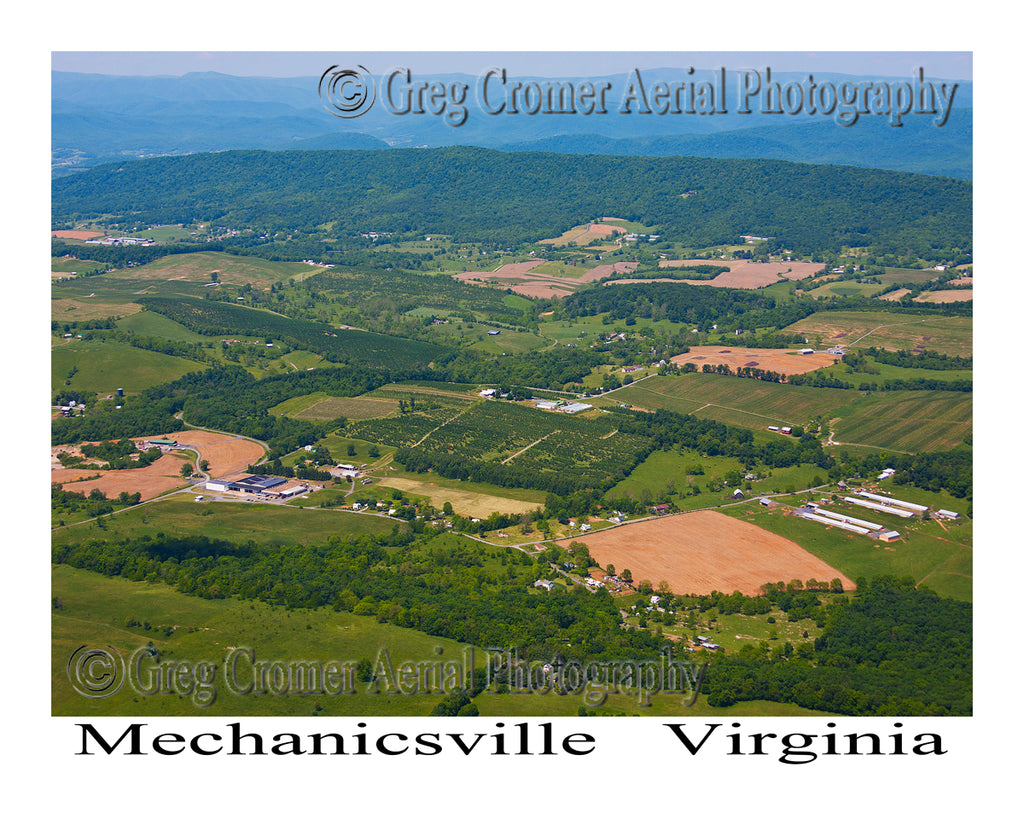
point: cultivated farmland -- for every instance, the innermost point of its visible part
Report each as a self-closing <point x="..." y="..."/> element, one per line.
<point x="786" y="362"/>
<point x="951" y="335"/>
<point x="752" y="404"/>
<point x="701" y="552"/>
<point x="907" y="422"/>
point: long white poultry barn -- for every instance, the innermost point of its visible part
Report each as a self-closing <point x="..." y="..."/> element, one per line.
<point x="881" y="507"/>
<point x="893" y="501"/>
<point x="860" y="530"/>
<point x="848" y="519"/>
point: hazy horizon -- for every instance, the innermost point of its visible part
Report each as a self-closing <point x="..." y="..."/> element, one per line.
<point x="955" y="65"/>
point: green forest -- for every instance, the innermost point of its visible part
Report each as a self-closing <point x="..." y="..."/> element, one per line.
<point x="485" y="195"/>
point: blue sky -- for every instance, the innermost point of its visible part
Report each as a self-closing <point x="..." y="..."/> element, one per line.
<point x="956" y="65"/>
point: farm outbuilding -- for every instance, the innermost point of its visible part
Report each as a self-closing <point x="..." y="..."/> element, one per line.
<point x="850" y="527"/>
<point x="881" y="507"/>
<point x="848" y="519"/>
<point x="916" y="507"/>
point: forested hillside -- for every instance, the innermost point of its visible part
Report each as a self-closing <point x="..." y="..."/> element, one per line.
<point x="482" y="194"/>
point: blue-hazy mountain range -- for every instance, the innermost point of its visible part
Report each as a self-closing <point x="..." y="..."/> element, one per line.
<point x="99" y="118"/>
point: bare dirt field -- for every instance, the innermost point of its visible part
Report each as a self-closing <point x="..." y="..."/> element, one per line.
<point x="584" y="234"/>
<point x="464" y="503"/>
<point x="746" y="274"/>
<point x="226" y="453"/>
<point x="76" y="234"/>
<point x="150" y="481"/>
<point x="519" y="277"/>
<point x="700" y="552"/>
<point x="787" y="362"/>
<point x="946" y="296"/>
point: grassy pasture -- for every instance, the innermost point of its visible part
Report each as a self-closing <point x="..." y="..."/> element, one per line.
<point x="509" y="341"/>
<point x="742" y="401"/>
<point x="319" y="406"/>
<point x="97" y="611"/>
<point x="850" y="287"/>
<point x="887" y="372"/>
<point x="84" y="309"/>
<point x="103" y="366"/>
<point x="235" y="521"/>
<point x="198" y="267"/>
<point x="952" y="335"/>
<point x="907" y="421"/>
<point x="121" y="286"/>
<point x="148" y="323"/>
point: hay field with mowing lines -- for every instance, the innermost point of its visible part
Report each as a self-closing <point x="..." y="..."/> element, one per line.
<point x="197" y="267"/>
<point x="952" y="335"/>
<point x="87" y="310"/>
<point x="701" y="552"/>
<point x="946" y="296"/>
<point x="908" y="422"/>
<point x="355" y="409"/>
<point x="750" y="403"/>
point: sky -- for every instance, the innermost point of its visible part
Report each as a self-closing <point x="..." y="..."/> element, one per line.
<point x="957" y="65"/>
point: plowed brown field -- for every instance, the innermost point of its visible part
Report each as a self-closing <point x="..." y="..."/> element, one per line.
<point x="787" y="362"/>
<point x="701" y="552"/>
<point x="227" y="454"/>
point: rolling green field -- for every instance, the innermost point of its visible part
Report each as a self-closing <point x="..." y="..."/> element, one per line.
<point x="148" y="323"/>
<point x="749" y="403"/>
<point x="234" y="521"/>
<point x="230" y="269"/>
<point x="509" y="341"/>
<point x="320" y="406"/>
<point x="103" y="366"/>
<point x="907" y="421"/>
<point x="952" y="335"/>
<point x="125" y="616"/>
<point x="917" y="421"/>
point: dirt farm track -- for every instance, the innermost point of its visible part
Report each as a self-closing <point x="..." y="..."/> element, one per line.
<point x="701" y="552"/>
